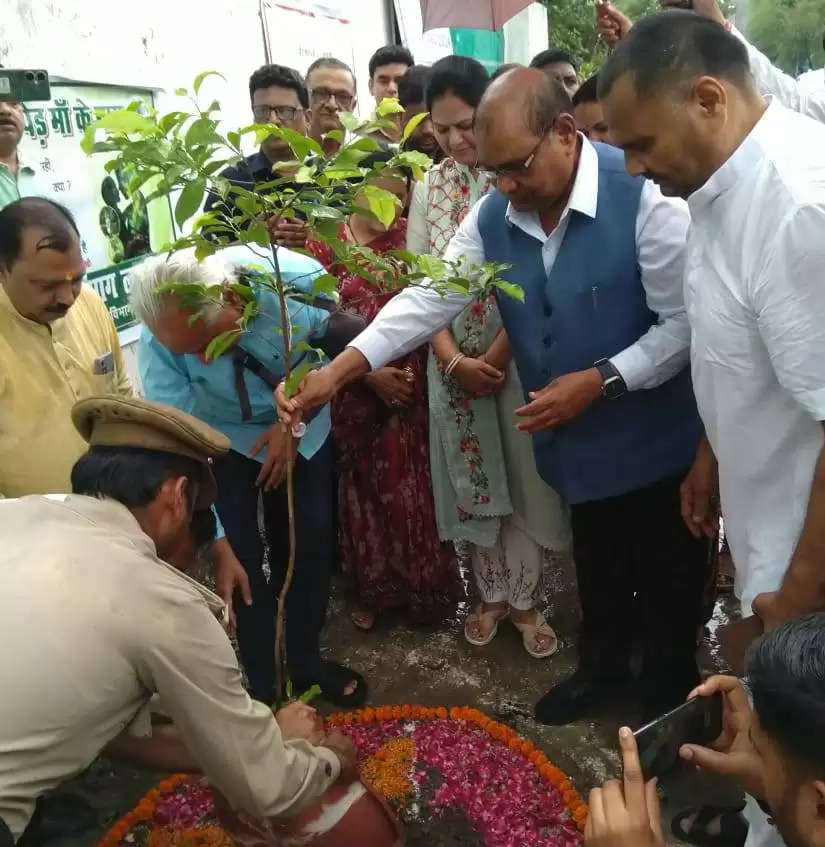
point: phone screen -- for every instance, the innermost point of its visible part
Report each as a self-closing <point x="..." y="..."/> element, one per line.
<point x="697" y="721"/>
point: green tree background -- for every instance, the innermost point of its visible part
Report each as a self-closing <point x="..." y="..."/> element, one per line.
<point x="788" y="31"/>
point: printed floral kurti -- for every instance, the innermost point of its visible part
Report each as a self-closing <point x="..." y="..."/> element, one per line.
<point x="388" y="534"/>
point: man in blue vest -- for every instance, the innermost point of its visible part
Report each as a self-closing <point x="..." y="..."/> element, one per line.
<point x="601" y="344"/>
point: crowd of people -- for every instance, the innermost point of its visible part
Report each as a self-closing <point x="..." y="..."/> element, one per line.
<point x="664" y="220"/>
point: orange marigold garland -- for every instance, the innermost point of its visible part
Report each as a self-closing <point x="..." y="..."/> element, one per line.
<point x="391" y="770"/>
<point x="499" y="731"/>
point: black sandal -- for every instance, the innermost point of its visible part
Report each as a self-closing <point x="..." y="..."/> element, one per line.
<point x="733" y="828"/>
<point x="332" y="679"/>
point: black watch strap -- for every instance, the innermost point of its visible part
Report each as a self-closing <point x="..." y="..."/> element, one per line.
<point x="613" y="384"/>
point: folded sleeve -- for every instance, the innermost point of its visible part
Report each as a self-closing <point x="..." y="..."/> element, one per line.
<point x="189" y="661"/>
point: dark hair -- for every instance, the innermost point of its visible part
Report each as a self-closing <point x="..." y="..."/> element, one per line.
<point x="411" y="86"/>
<point x="672" y="47"/>
<point x="330" y="62"/>
<point x="462" y="76"/>
<point x="392" y="54"/>
<point x="588" y="91"/>
<point x="283" y="77"/>
<point x="503" y="69"/>
<point x="131" y="475"/>
<point x="551" y="56"/>
<point x="786" y="676"/>
<point x="31" y="212"/>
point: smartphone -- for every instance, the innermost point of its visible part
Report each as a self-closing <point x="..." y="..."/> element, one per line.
<point x="696" y="721"/>
<point x="24" y="86"/>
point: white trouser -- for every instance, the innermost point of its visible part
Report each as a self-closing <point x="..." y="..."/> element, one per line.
<point x="510" y="571"/>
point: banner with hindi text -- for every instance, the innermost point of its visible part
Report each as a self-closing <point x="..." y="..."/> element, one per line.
<point x="115" y="230"/>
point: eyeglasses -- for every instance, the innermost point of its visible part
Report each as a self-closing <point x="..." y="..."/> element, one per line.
<point x="515" y="169"/>
<point x="322" y="95"/>
<point x="285" y="114"/>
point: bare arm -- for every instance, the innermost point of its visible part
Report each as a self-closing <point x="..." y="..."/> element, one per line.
<point x="444" y="346"/>
<point x="164" y="750"/>
<point x="499" y="353"/>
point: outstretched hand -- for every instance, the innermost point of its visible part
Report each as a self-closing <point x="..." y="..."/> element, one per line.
<point x="626" y="813"/>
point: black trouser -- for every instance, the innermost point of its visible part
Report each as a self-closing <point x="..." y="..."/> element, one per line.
<point x="637" y="544"/>
<point x="6" y="838"/>
<point x="237" y="504"/>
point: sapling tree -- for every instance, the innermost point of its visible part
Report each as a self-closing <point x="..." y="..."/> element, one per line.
<point x="181" y="155"/>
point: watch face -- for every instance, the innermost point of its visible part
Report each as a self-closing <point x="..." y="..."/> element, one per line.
<point x="613" y="388"/>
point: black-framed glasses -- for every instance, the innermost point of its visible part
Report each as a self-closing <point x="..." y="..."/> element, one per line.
<point x="322" y="95"/>
<point x="515" y="169"/>
<point x="285" y="114"/>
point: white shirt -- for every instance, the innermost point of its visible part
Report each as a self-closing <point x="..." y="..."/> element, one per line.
<point x="756" y="300"/>
<point x="411" y="318"/>
<point x="801" y="97"/>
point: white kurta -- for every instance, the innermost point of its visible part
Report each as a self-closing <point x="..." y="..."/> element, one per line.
<point x="755" y="294"/>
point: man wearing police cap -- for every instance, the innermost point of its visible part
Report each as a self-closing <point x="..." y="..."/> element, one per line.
<point x="103" y="569"/>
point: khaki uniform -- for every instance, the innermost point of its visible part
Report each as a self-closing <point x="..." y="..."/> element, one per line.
<point x="44" y="370"/>
<point x="93" y="624"/>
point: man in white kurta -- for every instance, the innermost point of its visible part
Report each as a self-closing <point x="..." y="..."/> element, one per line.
<point x="688" y="112"/>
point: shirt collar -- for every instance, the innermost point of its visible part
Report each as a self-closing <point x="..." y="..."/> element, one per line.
<point x="258" y="164"/>
<point x="22" y="167"/>
<point x="7" y="306"/>
<point x="116" y="517"/>
<point x="583" y="198"/>
<point x="739" y="167"/>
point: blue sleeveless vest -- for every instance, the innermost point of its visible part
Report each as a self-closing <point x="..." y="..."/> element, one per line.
<point x="592" y="307"/>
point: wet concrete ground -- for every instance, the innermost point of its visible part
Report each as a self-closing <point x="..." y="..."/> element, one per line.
<point x="435" y="666"/>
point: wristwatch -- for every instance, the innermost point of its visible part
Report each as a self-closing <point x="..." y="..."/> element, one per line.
<point x="613" y="384"/>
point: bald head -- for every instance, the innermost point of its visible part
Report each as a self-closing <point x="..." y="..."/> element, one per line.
<point x="523" y="97"/>
<point x="525" y="134"/>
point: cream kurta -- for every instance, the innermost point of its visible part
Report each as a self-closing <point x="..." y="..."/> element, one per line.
<point x="93" y="624"/>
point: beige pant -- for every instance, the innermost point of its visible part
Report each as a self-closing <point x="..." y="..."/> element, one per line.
<point x="510" y="571"/>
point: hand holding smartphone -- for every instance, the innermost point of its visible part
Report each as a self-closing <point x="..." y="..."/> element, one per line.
<point x="697" y="721"/>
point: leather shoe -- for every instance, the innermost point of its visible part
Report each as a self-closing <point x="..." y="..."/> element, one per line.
<point x="570" y="700"/>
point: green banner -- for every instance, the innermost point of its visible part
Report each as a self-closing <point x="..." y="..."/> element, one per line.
<point x="483" y="45"/>
<point x="113" y="286"/>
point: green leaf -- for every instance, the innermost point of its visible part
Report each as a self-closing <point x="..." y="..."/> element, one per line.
<point x="127" y="122"/>
<point x="382" y="203"/>
<point x="366" y="143"/>
<point x="220" y="344"/>
<point x="181" y="92"/>
<point x="305" y="174"/>
<point x="412" y="124"/>
<point x="250" y="312"/>
<point x="243" y="291"/>
<point x="171" y="121"/>
<point x="87" y="143"/>
<point x="201" y="132"/>
<point x="190" y="200"/>
<point x="389" y="106"/>
<point x="327" y="212"/>
<point x="202" y="76"/>
<point x="325" y="284"/>
<point x="234" y="138"/>
<point x="510" y="289"/>
<point x="311" y="694"/>
<point x="334" y="135"/>
<point x="349" y="121"/>
<point x="204" y="249"/>
<point x="291" y="385"/>
<point x="256" y="234"/>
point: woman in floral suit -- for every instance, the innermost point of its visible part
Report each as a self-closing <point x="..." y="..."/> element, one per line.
<point x="487" y="490"/>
